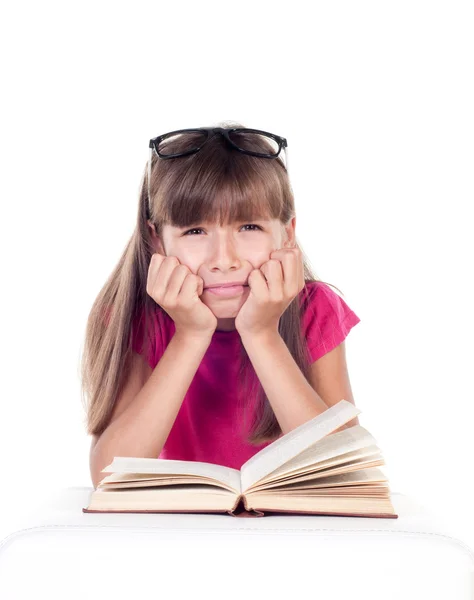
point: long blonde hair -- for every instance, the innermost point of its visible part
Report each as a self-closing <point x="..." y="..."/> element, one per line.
<point x="217" y="184"/>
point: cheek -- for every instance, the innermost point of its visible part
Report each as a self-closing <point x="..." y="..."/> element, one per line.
<point x="257" y="256"/>
<point x="188" y="259"/>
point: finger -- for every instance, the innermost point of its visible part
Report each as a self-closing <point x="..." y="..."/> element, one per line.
<point x="153" y="270"/>
<point x="299" y="268"/>
<point x="166" y="270"/>
<point x="291" y="273"/>
<point x="191" y="284"/>
<point x="200" y="286"/>
<point x="273" y="272"/>
<point x="177" y="281"/>
<point x="258" y="284"/>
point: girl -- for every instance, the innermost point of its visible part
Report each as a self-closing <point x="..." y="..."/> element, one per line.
<point x="175" y="365"/>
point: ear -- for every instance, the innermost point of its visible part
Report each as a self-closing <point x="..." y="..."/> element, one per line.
<point x="156" y="239"/>
<point x="290" y="233"/>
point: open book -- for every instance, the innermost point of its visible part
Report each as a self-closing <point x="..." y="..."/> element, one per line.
<point x="310" y="470"/>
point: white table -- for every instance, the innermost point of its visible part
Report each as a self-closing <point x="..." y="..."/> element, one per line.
<point x="59" y="552"/>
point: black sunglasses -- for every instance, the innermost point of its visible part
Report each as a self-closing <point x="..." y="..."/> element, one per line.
<point x="163" y="144"/>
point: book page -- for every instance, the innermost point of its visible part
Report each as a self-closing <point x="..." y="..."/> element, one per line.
<point x="324" y="505"/>
<point x="332" y="446"/>
<point x="327" y="466"/>
<point x="311" y="479"/>
<point x="181" y="498"/>
<point x="359" y="476"/>
<point x="139" y="480"/>
<point x="161" y="466"/>
<point x="290" y="445"/>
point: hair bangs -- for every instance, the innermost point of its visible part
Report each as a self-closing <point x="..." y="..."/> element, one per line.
<point x="217" y="189"/>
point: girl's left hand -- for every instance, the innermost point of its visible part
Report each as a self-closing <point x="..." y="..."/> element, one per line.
<point x="272" y="288"/>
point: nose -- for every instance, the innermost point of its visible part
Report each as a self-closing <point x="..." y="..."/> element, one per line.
<point x="223" y="254"/>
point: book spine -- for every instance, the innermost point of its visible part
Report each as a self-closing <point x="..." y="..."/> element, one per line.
<point x="241" y="509"/>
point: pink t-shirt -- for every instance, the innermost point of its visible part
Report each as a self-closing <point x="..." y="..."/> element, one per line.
<point x="207" y="427"/>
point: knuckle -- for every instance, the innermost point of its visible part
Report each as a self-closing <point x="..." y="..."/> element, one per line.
<point x="156" y="258"/>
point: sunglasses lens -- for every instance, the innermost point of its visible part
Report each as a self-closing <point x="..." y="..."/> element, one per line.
<point x="176" y="143"/>
<point x="189" y="141"/>
<point x="255" y="142"/>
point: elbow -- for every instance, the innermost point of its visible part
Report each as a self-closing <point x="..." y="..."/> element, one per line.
<point x="96" y="478"/>
<point x="95" y="469"/>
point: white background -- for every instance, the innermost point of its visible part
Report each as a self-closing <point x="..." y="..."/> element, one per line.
<point x="375" y="100"/>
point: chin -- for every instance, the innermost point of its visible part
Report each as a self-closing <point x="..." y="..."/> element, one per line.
<point x="220" y="314"/>
<point x="226" y="312"/>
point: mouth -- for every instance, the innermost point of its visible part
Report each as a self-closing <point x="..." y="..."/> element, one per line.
<point x="227" y="290"/>
<point x="217" y="285"/>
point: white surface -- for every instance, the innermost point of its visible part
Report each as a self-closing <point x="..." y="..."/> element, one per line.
<point x="59" y="550"/>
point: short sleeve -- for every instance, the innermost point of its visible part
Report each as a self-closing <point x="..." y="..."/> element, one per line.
<point x="143" y="336"/>
<point x="327" y="319"/>
<point x="150" y="340"/>
<point x="143" y="340"/>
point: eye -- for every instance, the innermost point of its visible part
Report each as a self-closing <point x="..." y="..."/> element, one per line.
<point x="252" y="225"/>
<point x="195" y="229"/>
<point x="247" y="225"/>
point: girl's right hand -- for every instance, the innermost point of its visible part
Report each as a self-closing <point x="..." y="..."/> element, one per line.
<point x="177" y="290"/>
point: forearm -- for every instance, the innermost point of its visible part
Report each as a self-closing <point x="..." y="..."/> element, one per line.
<point x="143" y="428"/>
<point x="291" y="396"/>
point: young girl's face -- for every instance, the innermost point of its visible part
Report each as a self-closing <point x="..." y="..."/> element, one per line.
<point x="224" y="254"/>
